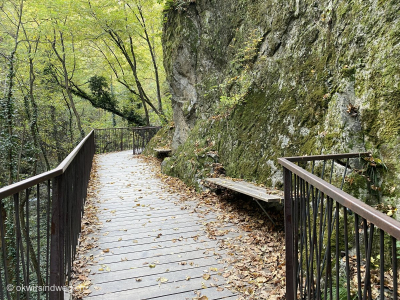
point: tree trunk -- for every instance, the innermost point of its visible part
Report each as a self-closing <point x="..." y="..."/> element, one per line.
<point x="62" y="59"/>
<point x="55" y="134"/>
<point x="153" y="58"/>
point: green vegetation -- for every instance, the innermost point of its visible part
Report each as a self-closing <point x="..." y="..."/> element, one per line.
<point x="67" y="67"/>
<point x="279" y="79"/>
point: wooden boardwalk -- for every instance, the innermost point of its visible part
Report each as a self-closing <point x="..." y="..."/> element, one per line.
<point x="149" y="248"/>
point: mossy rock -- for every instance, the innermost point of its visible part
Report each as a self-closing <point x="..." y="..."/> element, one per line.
<point x="162" y="140"/>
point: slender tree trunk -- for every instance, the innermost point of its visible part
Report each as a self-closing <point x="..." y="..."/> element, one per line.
<point x="20" y="153"/>
<point x="153" y="57"/>
<point x="71" y="131"/>
<point x="62" y="59"/>
<point x="34" y="126"/>
<point x="55" y="134"/>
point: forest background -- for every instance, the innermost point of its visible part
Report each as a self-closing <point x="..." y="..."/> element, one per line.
<point x="67" y="67"/>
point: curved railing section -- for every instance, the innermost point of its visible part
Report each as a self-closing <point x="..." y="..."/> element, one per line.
<point x="337" y="247"/>
<point x="124" y="138"/>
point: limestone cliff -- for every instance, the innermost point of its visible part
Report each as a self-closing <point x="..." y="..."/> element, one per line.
<point x="252" y="81"/>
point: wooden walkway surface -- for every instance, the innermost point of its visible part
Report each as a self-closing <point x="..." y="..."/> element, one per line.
<point x="149" y="248"/>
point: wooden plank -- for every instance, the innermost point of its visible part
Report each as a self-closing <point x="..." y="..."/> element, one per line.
<point x="143" y="224"/>
<point x="246" y="188"/>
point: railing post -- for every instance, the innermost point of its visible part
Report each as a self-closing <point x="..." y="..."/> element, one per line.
<point x="122" y="134"/>
<point x="57" y="241"/>
<point x="289" y="247"/>
<point x="133" y="141"/>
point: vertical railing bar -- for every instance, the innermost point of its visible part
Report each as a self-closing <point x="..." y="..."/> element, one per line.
<point x="301" y="231"/>
<point x="122" y="133"/>
<point x="307" y="230"/>
<point x="17" y="237"/>
<point x="290" y="274"/>
<point x="313" y="238"/>
<point x="323" y="170"/>
<point x="344" y="174"/>
<point x="28" y="245"/>
<point x="367" y="283"/>
<point x="48" y="236"/>
<point x="295" y="232"/>
<point x="337" y="249"/>
<point x="308" y="238"/>
<point x="318" y="288"/>
<point x="322" y="175"/>
<point x="366" y="243"/>
<point x="328" y="248"/>
<point x="382" y="263"/>
<point x="394" y="266"/>
<point x="3" y="242"/>
<point x="38" y="274"/>
<point x="2" y="261"/>
<point x="356" y="221"/>
<point x="57" y="238"/>
<point x="304" y="234"/>
<point x="133" y="141"/>
<point x="332" y="167"/>
<point x="346" y="246"/>
<point x="69" y="194"/>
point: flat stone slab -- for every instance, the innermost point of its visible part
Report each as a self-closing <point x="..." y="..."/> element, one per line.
<point x="150" y="245"/>
<point x="162" y="150"/>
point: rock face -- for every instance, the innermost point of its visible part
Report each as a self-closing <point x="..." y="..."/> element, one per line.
<point x="252" y="81"/>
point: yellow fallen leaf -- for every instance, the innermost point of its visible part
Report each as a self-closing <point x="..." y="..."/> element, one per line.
<point x="106" y="250"/>
<point x="162" y="279"/>
<point x="206" y="276"/>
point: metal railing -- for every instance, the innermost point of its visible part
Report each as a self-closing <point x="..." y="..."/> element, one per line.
<point x="120" y="139"/>
<point x="39" y="227"/>
<point x="337" y="247"/>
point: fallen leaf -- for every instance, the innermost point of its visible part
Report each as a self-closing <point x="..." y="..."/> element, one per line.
<point x="206" y="276"/>
<point x="162" y="279"/>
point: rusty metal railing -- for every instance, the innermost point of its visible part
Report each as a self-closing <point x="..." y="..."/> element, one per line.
<point x="120" y="139"/>
<point x="337" y="247"/>
<point x="39" y="227"/>
<point x="40" y="217"/>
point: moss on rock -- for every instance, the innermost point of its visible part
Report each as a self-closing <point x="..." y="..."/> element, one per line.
<point x="312" y="60"/>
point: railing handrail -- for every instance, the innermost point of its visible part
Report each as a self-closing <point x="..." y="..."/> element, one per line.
<point x="381" y="220"/>
<point x="32" y="181"/>
<point x="130" y="128"/>
<point x="326" y="156"/>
